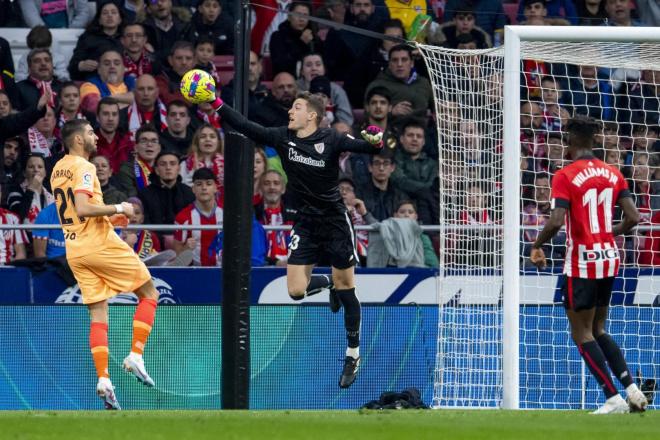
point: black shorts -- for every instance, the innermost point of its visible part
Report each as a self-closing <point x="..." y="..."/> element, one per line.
<point x="584" y="294"/>
<point x="332" y="237"/>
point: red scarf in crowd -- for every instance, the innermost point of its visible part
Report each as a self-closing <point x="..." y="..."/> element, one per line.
<point x="213" y="119"/>
<point x="139" y="68"/>
<point x="43" y="86"/>
<point x="136" y="119"/>
<point x="217" y="165"/>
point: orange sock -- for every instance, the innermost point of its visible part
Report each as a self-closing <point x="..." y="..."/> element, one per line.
<point x="143" y="320"/>
<point x="98" y="343"/>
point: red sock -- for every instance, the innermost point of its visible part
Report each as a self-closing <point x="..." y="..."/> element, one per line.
<point x="98" y="343"/>
<point x="143" y="320"/>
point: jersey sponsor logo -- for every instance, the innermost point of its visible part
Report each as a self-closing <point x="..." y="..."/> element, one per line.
<point x="295" y="157"/>
<point x="599" y="254"/>
<point x="320" y="147"/>
<point x="72" y="295"/>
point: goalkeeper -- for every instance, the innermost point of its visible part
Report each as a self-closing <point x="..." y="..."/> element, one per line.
<point x="310" y="157"/>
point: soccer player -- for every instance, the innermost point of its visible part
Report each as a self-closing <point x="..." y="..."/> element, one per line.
<point x="101" y="262"/>
<point x="310" y="157"/>
<point x="583" y="193"/>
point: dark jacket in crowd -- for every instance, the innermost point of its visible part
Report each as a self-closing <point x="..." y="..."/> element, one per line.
<point x="222" y="32"/>
<point x="18" y="123"/>
<point x="381" y="204"/>
<point x="162" y="41"/>
<point x="161" y="204"/>
<point x="286" y="48"/>
<point x="90" y="46"/>
<point x="178" y="145"/>
<point x="28" y="93"/>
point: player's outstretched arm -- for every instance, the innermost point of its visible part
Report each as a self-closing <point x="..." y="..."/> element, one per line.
<point x="86" y="209"/>
<point x="371" y="142"/>
<point x="550" y="229"/>
<point x="630" y="216"/>
<point x="243" y="125"/>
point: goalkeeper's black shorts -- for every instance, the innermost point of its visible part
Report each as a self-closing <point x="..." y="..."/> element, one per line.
<point x="584" y="293"/>
<point x="330" y="237"/>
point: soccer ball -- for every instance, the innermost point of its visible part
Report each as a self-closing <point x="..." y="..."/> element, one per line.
<point x="197" y="86"/>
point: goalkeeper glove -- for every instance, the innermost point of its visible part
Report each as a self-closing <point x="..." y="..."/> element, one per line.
<point x="374" y="135"/>
<point x="217" y="103"/>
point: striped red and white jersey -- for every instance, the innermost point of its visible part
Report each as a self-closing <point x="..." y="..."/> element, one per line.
<point x="204" y="254"/>
<point x="9" y="237"/>
<point x="588" y="189"/>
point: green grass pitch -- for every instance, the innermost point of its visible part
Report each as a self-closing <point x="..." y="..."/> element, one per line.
<point x="317" y="425"/>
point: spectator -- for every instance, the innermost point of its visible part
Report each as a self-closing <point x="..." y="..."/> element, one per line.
<point x="166" y="195"/>
<point x="618" y="13"/>
<point x="536" y="14"/>
<point x="111" y="195"/>
<point x="145" y="243"/>
<point x="321" y="86"/>
<point x="146" y="108"/>
<point x="344" y="48"/>
<point x="48" y="243"/>
<point x="415" y="172"/>
<point x="591" y="12"/>
<point x="206" y="114"/>
<point x="554" y="9"/>
<point x="640" y="97"/>
<point x="260" y="166"/>
<point x="463" y="23"/>
<point x="209" y="21"/>
<point x="489" y="15"/>
<point x="380" y="195"/>
<point x="313" y="66"/>
<point x="113" y="143"/>
<point x="13" y="246"/>
<point x="374" y="60"/>
<point x="135" y="175"/>
<point x="275" y="107"/>
<point x="41" y="38"/>
<point x="355" y="208"/>
<point x="181" y="60"/>
<point x="41" y="136"/>
<point x="206" y="151"/>
<point x="407" y="209"/>
<point x="336" y="10"/>
<point x="41" y="78"/>
<point x="645" y="138"/>
<point x="257" y="92"/>
<point x="15" y="124"/>
<point x="101" y="34"/>
<point x="649" y="12"/>
<point x="11" y="172"/>
<point x="589" y="95"/>
<point x="411" y="95"/>
<point x="138" y="60"/>
<point x="273" y="211"/>
<point x="30" y="197"/>
<point x="110" y="80"/>
<point x="293" y="40"/>
<point x="203" y="210"/>
<point x="178" y="134"/>
<point x="133" y="9"/>
<point x="204" y="57"/>
<point x="5" y="104"/>
<point x="7" y="83"/>
<point x="554" y="115"/>
<point x="66" y="14"/>
<point x="532" y="136"/>
<point x="536" y="213"/>
<point x="556" y="151"/>
<point x="165" y="26"/>
<point x="646" y="200"/>
<point x="70" y="107"/>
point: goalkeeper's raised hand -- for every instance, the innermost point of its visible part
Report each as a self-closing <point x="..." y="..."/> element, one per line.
<point x="374" y="135"/>
<point x="217" y="102"/>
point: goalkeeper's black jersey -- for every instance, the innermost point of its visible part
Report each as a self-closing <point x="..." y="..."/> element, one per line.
<point x="311" y="163"/>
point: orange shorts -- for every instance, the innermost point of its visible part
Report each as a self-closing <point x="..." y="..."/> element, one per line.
<point x="108" y="271"/>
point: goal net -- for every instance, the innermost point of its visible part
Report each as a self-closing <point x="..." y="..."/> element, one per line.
<point x="503" y="338"/>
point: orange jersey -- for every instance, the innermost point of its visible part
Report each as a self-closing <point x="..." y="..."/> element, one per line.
<point x="83" y="236"/>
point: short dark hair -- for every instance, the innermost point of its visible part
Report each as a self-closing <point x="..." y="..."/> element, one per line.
<point x="394" y="23"/>
<point x="108" y="100"/>
<point x="465" y="39"/>
<point x="181" y="44"/>
<point x="167" y="153"/>
<point x="71" y="128"/>
<point x="412" y="122"/>
<point x="405" y="202"/>
<point x="109" y="49"/>
<point x="295" y="4"/>
<point x="380" y="91"/>
<point x="399" y="48"/>
<point x="316" y="104"/>
<point x="146" y="128"/>
<point x="37" y="51"/>
<point x="39" y="37"/>
<point x="205" y="38"/>
<point x="581" y="130"/>
<point x="177" y="103"/>
<point x="69" y="84"/>
<point x="203" y="174"/>
<point x="133" y="23"/>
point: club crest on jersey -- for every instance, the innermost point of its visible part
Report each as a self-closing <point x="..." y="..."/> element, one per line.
<point x="320" y="147"/>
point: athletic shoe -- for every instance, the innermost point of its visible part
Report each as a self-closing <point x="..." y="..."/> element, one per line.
<point x="613" y="405"/>
<point x="335" y="304"/>
<point x="134" y="364"/>
<point x="106" y="392"/>
<point x="637" y="401"/>
<point x="351" y="367"/>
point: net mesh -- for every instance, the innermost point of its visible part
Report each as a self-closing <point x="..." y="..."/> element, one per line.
<point x="616" y="83"/>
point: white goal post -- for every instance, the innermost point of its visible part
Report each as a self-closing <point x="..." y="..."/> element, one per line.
<point x="490" y="375"/>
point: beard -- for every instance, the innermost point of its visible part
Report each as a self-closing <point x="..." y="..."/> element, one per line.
<point x="90" y="146"/>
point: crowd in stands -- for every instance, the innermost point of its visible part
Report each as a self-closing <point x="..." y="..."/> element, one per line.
<point x="166" y="156"/>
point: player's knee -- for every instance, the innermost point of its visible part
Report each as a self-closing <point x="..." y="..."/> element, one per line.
<point x="297" y="294"/>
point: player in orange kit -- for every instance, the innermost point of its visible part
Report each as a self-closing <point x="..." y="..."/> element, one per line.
<point x="102" y="263"/>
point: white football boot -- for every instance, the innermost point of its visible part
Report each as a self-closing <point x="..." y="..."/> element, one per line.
<point x="106" y="392"/>
<point x="134" y="364"/>
<point x="613" y="405"/>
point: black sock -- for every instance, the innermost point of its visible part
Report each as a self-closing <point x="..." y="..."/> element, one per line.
<point x="595" y="360"/>
<point x="615" y="359"/>
<point x="317" y="283"/>
<point x="352" y="315"/>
